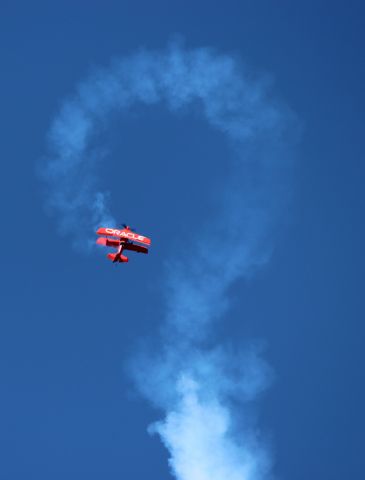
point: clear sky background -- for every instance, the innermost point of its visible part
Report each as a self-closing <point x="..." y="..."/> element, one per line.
<point x="70" y="321"/>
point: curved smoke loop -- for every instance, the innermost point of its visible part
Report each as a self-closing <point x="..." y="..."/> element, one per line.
<point x="194" y="384"/>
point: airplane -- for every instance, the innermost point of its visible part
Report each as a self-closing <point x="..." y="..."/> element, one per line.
<point x="124" y="241"/>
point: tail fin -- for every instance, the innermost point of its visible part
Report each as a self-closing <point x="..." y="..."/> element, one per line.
<point x="117" y="258"/>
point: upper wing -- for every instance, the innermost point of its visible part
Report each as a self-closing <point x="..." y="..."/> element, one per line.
<point x="124" y="233"/>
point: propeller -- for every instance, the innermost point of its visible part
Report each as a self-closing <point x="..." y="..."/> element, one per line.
<point x="124" y="225"/>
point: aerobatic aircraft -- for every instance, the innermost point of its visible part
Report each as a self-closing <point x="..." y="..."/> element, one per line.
<point x="122" y="239"/>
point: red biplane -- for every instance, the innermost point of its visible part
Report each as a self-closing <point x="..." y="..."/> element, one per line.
<point x="123" y="240"/>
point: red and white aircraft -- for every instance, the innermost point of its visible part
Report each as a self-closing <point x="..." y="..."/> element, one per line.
<point x="124" y="240"/>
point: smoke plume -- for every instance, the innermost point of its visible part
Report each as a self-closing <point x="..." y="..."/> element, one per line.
<point x="205" y="390"/>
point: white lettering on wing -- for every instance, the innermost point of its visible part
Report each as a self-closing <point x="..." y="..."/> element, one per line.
<point x="122" y="233"/>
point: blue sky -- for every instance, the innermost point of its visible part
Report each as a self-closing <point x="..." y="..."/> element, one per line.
<point x="70" y="322"/>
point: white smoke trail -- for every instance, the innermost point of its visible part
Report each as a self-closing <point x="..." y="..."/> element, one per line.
<point x="196" y="385"/>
